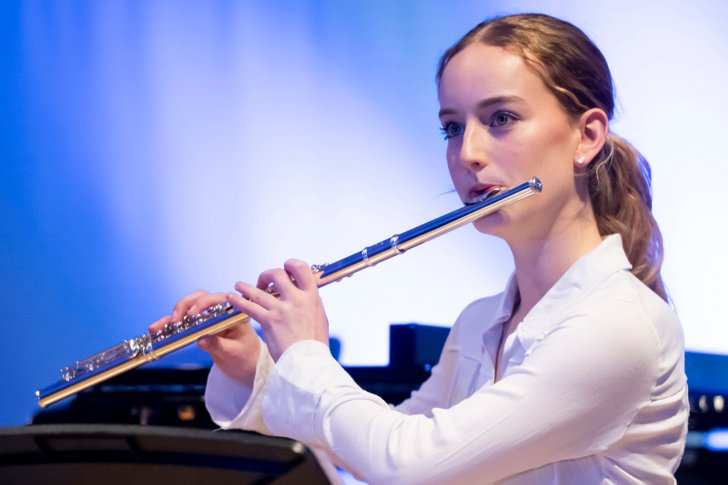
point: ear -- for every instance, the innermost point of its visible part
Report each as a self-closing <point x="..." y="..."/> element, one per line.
<point x="593" y="129"/>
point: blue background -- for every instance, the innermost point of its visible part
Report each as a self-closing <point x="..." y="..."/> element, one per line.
<point x="148" y="149"/>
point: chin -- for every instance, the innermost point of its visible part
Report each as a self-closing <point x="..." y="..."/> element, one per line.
<point x="493" y="224"/>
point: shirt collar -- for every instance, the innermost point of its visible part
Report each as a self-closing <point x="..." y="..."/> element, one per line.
<point x="507" y="302"/>
<point x="586" y="274"/>
<point x="492" y="332"/>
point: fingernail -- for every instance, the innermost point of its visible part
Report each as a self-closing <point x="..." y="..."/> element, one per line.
<point x="193" y="309"/>
<point x="173" y="318"/>
<point x="203" y="343"/>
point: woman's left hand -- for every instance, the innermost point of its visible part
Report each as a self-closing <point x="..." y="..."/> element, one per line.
<point x="297" y="314"/>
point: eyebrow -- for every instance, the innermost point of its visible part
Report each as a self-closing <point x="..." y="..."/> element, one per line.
<point x="487" y="102"/>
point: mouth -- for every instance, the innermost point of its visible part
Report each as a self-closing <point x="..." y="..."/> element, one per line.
<point x="479" y="193"/>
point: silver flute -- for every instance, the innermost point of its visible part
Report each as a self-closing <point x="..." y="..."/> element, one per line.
<point x="175" y="335"/>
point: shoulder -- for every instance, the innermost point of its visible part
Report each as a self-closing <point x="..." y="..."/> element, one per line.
<point x="624" y="303"/>
<point x="664" y="326"/>
<point x="626" y="322"/>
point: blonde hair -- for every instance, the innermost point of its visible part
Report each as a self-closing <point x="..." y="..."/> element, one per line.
<point x="576" y="72"/>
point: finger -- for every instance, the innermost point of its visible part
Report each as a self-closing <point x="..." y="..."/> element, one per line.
<point x="237" y="332"/>
<point x="282" y="281"/>
<point x="181" y="307"/>
<point x="219" y="348"/>
<point x="208" y="343"/>
<point x="236" y="358"/>
<point x="264" y="279"/>
<point x="159" y="324"/>
<point x="255" y="295"/>
<point x="206" y="301"/>
<point x="250" y="308"/>
<point x="302" y="274"/>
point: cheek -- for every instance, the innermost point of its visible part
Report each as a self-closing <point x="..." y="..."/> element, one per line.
<point x="452" y="159"/>
<point x="546" y="149"/>
<point x="514" y="158"/>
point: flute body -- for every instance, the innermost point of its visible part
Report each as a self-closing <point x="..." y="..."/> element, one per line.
<point x="151" y="346"/>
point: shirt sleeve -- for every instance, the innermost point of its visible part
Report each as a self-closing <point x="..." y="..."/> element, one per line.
<point x="233" y="405"/>
<point x="572" y="396"/>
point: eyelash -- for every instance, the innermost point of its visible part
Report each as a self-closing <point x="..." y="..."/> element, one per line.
<point x="445" y="130"/>
<point x="512" y="118"/>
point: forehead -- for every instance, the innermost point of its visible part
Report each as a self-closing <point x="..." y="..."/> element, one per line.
<point x="480" y="71"/>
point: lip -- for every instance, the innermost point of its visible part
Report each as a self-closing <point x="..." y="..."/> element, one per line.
<point x="480" y="191"/>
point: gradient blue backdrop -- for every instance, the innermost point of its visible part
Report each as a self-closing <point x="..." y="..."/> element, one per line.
<point x="149" y="149"/>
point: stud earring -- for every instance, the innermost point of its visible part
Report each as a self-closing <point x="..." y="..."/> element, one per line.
<point x="581" y="161"/>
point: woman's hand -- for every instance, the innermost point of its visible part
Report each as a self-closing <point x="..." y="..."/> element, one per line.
<point x="234" y="350"/>
<point x="297" y="314"/>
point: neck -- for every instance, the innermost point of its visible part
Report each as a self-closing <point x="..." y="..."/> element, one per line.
<point x="541" y="262"/>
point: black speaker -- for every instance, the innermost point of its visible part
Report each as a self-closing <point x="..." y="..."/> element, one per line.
<point x="414" y="345"/>
<point x="129" y="454"/>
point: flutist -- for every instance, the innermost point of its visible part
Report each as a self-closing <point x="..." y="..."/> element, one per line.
<point x="574" y="374"/>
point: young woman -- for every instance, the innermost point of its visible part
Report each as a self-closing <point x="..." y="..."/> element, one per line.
<point x="574" y="374"/>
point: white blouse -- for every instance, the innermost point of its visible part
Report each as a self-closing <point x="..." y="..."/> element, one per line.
<point x="593" y="391"/>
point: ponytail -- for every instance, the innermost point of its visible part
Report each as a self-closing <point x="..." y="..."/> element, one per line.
<point x="619" y="181"/>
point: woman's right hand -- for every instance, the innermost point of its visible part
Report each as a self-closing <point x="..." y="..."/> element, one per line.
<point x="235" y="350"/>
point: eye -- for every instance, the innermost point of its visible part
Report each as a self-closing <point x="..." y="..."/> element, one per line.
<point x="451" y="130"/>
<point x="502" y="119"/>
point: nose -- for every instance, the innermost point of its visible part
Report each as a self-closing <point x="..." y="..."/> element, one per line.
<point x="473" y="151"/>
